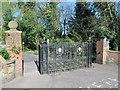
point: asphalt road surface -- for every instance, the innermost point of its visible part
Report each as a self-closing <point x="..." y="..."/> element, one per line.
<point x="99" y="76"/>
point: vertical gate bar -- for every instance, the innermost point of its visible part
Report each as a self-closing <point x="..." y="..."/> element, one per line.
<point x="22" y="67"/>
<point x="55" y="56"/>
<point x="39" y="51"/>
<point x="88" y="54"/>
<point x="39" y="57"/>
<point x="91" y="47"/>
<point x="91" y="52"/>
<point x="55" y="53"/>
<point x="42" y="62"/>
<point x="47" y="58"/>
<point x="70" y="53"/>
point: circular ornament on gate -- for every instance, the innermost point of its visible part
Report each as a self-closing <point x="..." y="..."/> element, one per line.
<point x="59" y="51"/>
<point x="79" y="50"/>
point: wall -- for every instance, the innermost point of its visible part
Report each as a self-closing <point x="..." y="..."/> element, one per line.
<point x="113" y="57"/>
<point x="7" y="70"/>
<point x="104" y="55"/>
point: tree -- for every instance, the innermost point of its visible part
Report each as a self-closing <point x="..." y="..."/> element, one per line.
<point x="108" y="18"/>
<point x="7" y="16"/>
<point x="28" y="23"/>
<point x="49" y="12"/>
<point x="82" y="25"/>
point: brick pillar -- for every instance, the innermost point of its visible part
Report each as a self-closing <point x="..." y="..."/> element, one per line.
<point x="14" y="46"/>
<point x="101" y="49"/>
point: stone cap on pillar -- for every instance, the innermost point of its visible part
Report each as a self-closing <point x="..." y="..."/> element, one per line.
<point x="13" y="25"/>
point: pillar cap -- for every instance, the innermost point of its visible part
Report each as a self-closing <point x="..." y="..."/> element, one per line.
<point x="12" y="24"/>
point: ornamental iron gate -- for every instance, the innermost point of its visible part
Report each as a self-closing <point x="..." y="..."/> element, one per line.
<point x="64" y="56"/>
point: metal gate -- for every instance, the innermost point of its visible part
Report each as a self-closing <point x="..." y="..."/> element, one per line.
<point x="64" y="56"/>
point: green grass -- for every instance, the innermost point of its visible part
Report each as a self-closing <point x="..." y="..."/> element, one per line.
<point x="29" y="52"/>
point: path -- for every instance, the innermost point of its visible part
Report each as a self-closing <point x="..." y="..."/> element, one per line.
<point x="101" y="76"/>
<point x="29" y="64"/>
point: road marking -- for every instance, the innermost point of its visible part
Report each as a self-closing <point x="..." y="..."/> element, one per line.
<point x="96" y="85"/>
<point x="116" y="85"/>
<point x="102" y="80"/>
<point x="105" y="83"/>
<point x="88" y="87"/>
<point x="108" y="83"/>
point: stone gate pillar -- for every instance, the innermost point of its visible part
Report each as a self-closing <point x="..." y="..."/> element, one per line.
<point x="14" y="46"/>
<point x="101" y="48"/>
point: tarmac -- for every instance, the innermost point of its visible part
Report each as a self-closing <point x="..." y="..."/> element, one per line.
<point x="97" y="76"/>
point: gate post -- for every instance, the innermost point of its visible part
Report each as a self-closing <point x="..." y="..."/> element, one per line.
<point x="89" y="53"/>
<point x="14" y="46"/>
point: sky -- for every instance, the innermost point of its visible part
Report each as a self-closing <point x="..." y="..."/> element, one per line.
<point x="68" y="8"/>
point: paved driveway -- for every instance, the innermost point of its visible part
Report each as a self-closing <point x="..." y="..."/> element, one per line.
<point x="29" y="57"/>
<point x="99" y="76"/>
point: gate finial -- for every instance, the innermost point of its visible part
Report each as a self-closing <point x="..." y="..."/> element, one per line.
<point x="12" y="25"/>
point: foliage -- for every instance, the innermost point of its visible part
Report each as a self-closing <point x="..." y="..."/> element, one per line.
<point x="4" y="53"/>
<point x="104" y="32"/>
<point x="36" y="52"/>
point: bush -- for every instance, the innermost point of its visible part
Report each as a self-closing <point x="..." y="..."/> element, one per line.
<point x="4" y="53"/>
<point x="36" y="52"/>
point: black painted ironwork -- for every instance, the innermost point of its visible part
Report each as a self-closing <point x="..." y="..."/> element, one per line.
<point x="64" y="56"/>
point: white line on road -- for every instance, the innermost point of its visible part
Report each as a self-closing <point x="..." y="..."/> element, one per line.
<point x="108" y="83"/>
<point x="88" y="87"/>
<point x="116" y="85"/>
<point x="98" y="86"/>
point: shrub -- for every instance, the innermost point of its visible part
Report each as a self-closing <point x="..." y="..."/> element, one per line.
<point x="4" y="53"/>
<point x="36" y="52"/>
